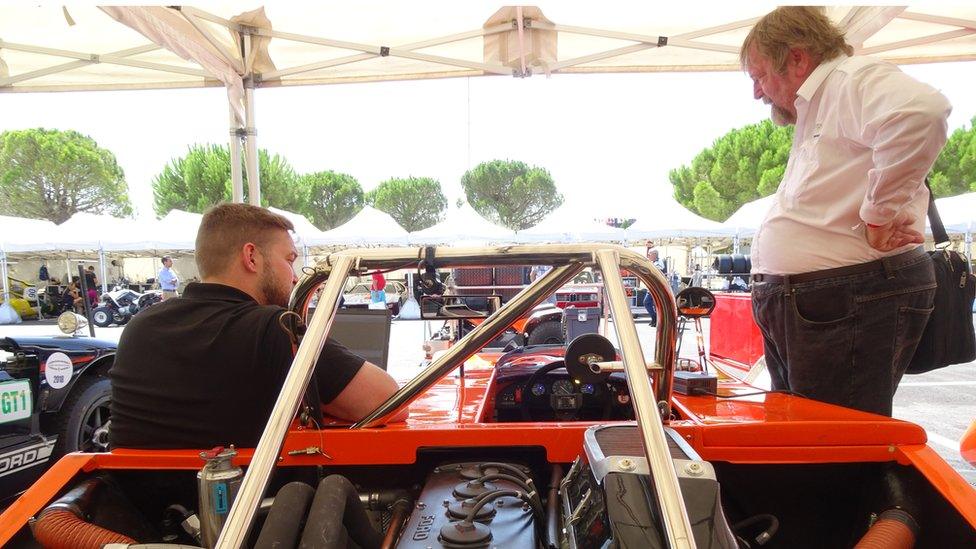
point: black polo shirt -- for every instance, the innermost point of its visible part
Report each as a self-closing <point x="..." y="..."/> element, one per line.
<point x="205" y="369"/>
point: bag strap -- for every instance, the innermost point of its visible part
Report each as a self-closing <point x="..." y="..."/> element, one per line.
<point x="935" y="222"/>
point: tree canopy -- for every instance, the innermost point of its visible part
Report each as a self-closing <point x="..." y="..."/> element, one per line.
<point x="53" y="174"/>
<point x="511" y="193"/>
<point x="201" y="179"/>
<point x="741" y="166"/>
<point x="333" y="198"/>
<point x="954" y="172"/>
<point x="415" y="202"/>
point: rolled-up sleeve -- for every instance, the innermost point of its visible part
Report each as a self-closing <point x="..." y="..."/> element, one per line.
<point x="904" y="121"/>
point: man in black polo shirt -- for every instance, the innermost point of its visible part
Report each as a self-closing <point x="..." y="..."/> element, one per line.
<point x="205" y="369"/>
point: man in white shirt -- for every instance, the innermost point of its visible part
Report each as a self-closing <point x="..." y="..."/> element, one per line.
<point x="842" y="288"/>
<point x="168" y="281"/>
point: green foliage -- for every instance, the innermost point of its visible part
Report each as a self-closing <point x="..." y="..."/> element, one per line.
<point x="202" y="179"/>
<point x="53" y="174"/>
<point x="511" y="193"/>
<point x="741" y="166"/>
<point x="954" y="171"/>
<point x="415" y="202"/>
<point x="333" y="198"/>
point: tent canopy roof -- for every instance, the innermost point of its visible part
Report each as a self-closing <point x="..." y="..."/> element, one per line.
<point x="51" y="47"/>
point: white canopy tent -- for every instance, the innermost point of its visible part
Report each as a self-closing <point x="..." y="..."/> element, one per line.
<point x="958" y="214"/>
<point x="16" y="235"/>
<point x="463" y="225"/>
<point x="53" y="47"/>
<point x="368" y="227"/>
<point x="746" y="220"/>
<point x="564" y="225"/>
<point x="304" y="229"/>
<point x="674" y="220"/>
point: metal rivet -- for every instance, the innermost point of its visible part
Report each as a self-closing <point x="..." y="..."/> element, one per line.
<point x="421" y="505"/>
<point x="626" y="464"/>
<point x="694" y="469"/>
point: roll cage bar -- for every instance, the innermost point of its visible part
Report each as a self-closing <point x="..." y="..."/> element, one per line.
<point x="650" y="386"/>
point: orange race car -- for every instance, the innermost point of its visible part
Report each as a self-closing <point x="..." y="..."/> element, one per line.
<point x="585" y="445"/>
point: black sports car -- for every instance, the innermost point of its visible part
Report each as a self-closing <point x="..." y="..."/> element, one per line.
<point x="54" y="399"/>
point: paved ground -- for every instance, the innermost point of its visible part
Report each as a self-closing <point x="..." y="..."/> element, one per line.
<point x="943" y="401"/>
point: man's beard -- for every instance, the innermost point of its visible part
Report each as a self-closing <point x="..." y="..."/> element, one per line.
<point x="274" y="292"/>
<point x="779" y="115"/>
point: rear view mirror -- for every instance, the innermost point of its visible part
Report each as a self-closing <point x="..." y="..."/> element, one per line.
<point x="695" y="302"/>
<point x="449" y="307"/>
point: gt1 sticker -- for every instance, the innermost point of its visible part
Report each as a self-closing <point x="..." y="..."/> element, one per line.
<point x="15" y="400"/>
<point x="58" y="370"/>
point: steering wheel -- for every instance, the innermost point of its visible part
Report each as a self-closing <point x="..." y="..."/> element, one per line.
<point x="568" y="413"/>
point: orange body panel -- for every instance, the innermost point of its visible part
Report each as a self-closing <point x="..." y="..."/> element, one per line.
<point x="775" y="428"/>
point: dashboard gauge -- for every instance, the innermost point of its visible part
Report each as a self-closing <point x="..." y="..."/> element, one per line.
<point x="562" y="387"/>
<point x="588" y="389"/>
<point x="539" y="389"/>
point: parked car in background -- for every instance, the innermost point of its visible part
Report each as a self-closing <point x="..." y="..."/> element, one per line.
<point x="359" y="297"/>
<point x="54" y="399"/>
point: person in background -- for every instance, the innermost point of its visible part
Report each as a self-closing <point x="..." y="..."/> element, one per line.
<point x="652" y="254"/>
<point x="92" y="282"/>
<point x="842" y="288"/>
<point x="377" y="291"/>
<point x="169" y="282"/>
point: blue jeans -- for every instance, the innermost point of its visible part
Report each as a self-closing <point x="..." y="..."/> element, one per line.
<point x="649" y="305"/>
<point x="846" y="340"/>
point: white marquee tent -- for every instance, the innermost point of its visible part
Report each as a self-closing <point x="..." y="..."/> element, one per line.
<point x="674" y="221"/>
<point x="462" y="225"/>
<point x="564" y="225"/>
<point x="54" y="47"/>
<point x="367" y="228"/>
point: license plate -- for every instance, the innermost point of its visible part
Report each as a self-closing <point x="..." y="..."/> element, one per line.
<point x="15" y="400"/>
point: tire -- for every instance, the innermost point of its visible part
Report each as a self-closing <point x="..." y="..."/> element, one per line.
<point x="82" y="424"/>
<point x="101" y="317"/>
<point x="547" y="333"/>
<point x="120" y="318"/>
<point x="395" y="309"/>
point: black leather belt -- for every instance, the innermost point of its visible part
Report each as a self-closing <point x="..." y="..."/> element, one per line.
<point x="877" y="265"/>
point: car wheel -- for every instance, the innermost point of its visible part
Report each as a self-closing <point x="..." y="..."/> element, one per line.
<point x="102" y="317"/>
<point x="547" y="333"/>
<point x="120" y="318"/>
<point x="395" y="310"/>
<point x="84" y="419"/>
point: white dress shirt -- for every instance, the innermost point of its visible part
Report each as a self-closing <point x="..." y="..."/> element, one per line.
<point x="866" y="136"/>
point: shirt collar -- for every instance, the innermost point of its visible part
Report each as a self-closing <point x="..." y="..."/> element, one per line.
<point x="817" y="77"/>
<point x="209" y="290"/>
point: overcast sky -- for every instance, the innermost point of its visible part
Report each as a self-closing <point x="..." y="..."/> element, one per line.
<point x="608" y="140"/>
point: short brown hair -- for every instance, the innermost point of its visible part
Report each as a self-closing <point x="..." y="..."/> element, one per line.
<point x="788" y="27"/>
<point x="225" y="228"/>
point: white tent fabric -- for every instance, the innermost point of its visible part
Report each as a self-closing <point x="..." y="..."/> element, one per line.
<point x="958" y="213"/>
<point x="747" y="219"/>
<point x="332" y="42"/>
<point x="462" y="225"/>
<point x="369" y="227"/>
<point x="564" y="225"/>
<point x="675" y="221"/>
<point x="304" y="228"/>
<point x="18" y="234"/>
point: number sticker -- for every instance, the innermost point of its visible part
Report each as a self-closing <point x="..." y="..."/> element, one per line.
<point x="15" y="400"/>
<point x="58" y="370"/>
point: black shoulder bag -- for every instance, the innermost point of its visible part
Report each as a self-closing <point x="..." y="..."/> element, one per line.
<point x="948" y="337"/>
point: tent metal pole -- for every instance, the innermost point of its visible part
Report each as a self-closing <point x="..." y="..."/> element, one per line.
<point x="101" y="264"/>
<point x="236" y="177"/>
<point x="251" y="155"/>
<point x="3" y="272"/>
